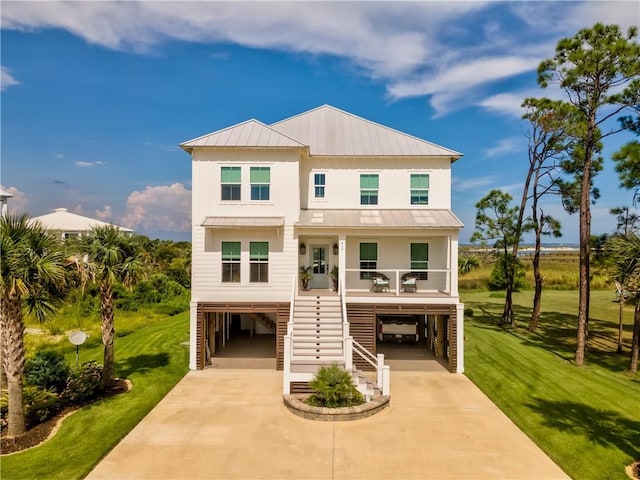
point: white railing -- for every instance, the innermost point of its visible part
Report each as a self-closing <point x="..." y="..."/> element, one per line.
<point x="351" y="346"/>
<point x="439" y="279"/>
<point x="288" y="341"/>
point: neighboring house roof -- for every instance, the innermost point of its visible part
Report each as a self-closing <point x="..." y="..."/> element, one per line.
<point x="330" y="131"/>
<point x="5" y="194"/>
<point x="243" y="222"/>
<point x="251" y="133"/>
<point x="63" y="220"/>
<point x="326" y="131"/>
<point x="400" y="219"/>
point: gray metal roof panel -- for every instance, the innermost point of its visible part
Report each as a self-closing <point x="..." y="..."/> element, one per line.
<point x="375" y="218"/>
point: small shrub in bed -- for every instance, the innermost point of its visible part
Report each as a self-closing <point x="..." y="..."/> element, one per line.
<point x="333" y="387"/>
<point x="84" y="384"/>
<point x="47" y="369"/>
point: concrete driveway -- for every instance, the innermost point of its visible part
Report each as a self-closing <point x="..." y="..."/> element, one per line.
<point x="232" y="424"/>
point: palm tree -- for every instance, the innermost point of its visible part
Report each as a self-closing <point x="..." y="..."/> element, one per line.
<point x="624" y="263"/>
<point x="33" y="279"/>
<point x="113" y="258"/>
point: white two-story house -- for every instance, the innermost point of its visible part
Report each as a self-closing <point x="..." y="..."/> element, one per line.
<point x="365" y="210"/>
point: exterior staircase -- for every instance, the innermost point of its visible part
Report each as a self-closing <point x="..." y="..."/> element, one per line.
<point x="318" y="335"/>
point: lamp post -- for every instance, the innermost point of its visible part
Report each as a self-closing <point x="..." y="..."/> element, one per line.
<point x="77" y="339"/>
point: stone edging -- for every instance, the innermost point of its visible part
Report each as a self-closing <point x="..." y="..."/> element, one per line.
<point x="296" y="405"/>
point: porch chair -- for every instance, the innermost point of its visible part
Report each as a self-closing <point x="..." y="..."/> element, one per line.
<point x="380" y="282"/>
<point x="410" y="282"/>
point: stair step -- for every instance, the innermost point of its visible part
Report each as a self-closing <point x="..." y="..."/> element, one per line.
<point x="322" y="353"/>
<point x="322" y="339"/>
<point x="317" y="361"/>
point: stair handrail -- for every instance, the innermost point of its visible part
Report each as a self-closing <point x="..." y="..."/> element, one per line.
<point x="365" y="354"/>
<point x="288" y="342"/>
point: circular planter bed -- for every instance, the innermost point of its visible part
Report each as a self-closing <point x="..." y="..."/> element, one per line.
<point x="633" y="470"/>
<point x="295" y="403"/>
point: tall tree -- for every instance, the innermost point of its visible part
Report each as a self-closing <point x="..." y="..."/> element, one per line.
<point x="33" y="280"/>
<point x="496" y="221"/>
<point x="113" y="258"/>
<point x="626" y="220"/>
<point x="550" y="124"/>
<point x="599" y="70"/>
<point x="624" y="255"/>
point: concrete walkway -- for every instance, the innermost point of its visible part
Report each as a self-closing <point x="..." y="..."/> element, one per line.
<point x="231" y="424"/>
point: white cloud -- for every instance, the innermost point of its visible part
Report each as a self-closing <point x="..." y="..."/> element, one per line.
<point x="106" y="214"/>
<point x="166" y="208"/>
<point x="18" y="202"/>
<point x="504" y="103"/>
<point x="505" y="146"/>
<point x="59" y="155"/>
<point x="451" y="52"/>
<point x="460" y="185"/>
<point x="89" y="164"/>
<point x="6" y="79"/>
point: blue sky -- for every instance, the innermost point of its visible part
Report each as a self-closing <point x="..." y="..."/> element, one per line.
<point x="97" y="95"/>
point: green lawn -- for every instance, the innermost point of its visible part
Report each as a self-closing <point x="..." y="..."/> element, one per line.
<point x="586" y="418"/>
<point x="153" y="359"/>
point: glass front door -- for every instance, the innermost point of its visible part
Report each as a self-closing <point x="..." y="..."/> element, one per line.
<point x="319" y="267"/>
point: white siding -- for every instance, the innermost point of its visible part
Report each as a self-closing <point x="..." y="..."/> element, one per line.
<point x="343" y="182"/>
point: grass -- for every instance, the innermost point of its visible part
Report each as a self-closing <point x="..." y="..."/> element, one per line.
<point x="585" y="418"/>
<point x="153" y="359"/>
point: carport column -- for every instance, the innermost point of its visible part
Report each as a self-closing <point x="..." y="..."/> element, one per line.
<point x="193" y="335"/>
<point x="460" y="339"/>
<point x="342" y="263"/>
<point x="453" y="265"/>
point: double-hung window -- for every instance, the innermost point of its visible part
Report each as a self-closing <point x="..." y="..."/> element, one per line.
<point x="369" y="189"/>
<point x="231" y="262"/>
<point x="368" y="259"/>
<point x="419" y="189"/>
<point x="260" y="178"/>
<point x="230" y="183"/>
<point x="259" y="262"/>
<point x="420" y="259"/>
<point x="319" y="182"/>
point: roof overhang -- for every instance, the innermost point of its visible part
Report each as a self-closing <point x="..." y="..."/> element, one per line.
<point x="396" y="219"/>
<point x="243" y="222"/>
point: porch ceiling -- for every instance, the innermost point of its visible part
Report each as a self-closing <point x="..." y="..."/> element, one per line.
<point x="243" y="222"/>
<point x="383" y="219"/>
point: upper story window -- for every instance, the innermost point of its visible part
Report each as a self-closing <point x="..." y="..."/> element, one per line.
<point x="231" y="262"/>
<point x="368" y="259"/>
<point x="420" y="259"/>
<point x="319" y="183"/>
<point x="259" y="262"/>
<point x="369" y="189"/>
<point x="230" y="183"/>
<point x="260" y="178"/>
<point x="419" y="189"/>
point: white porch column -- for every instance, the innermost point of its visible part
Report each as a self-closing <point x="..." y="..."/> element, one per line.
<point x="460" y="339"/>
<point x="342" y="263"/>
<point x="193" y="342"/>
<point x="453" y="265"/>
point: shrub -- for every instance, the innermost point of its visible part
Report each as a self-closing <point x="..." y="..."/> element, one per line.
<point x="497" y="280"/>
<point x="47" y="369"/>
<point x="38" y="403"/>
<point x="468" y="312"/>
<point x="333" y="387"/>
<point x="84" y="384"/>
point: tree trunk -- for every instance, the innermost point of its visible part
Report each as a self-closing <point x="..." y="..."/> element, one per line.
<point x="108" y="334"/>
<point x="14" y="359"/>
<point x="620" y="321"/>
<point x="537" y="277"/>
<point x="635" y="342"/>
<point x="585" y="250"/>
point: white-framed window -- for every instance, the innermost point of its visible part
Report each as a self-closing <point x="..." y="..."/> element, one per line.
<point x="259" y="262"/>
<point x="419" y="189"/>
<point x="420" y="259"/>
<point x="319" y="184"/>
<point x="260" y="179"/>
<point x="369" y="183"/>
<point x="368" y="259"/>
<point x="230" y="182"/>
<point x="231" y="262"/>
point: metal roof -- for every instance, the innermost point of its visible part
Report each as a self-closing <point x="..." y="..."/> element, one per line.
<point x="63" y="220"/>
<point x="329" y="131"/>
<point x="251" y="133"/>
<point x="398" y="219"/>
<point x="5" y="194"/>
<point x="243" y="222"/>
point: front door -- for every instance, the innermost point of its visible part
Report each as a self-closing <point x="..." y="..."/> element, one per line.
<point x="319" y="267"/>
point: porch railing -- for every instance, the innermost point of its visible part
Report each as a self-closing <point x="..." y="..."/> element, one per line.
<point x="288" y="341"/>
<point x="438" y="279"/>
